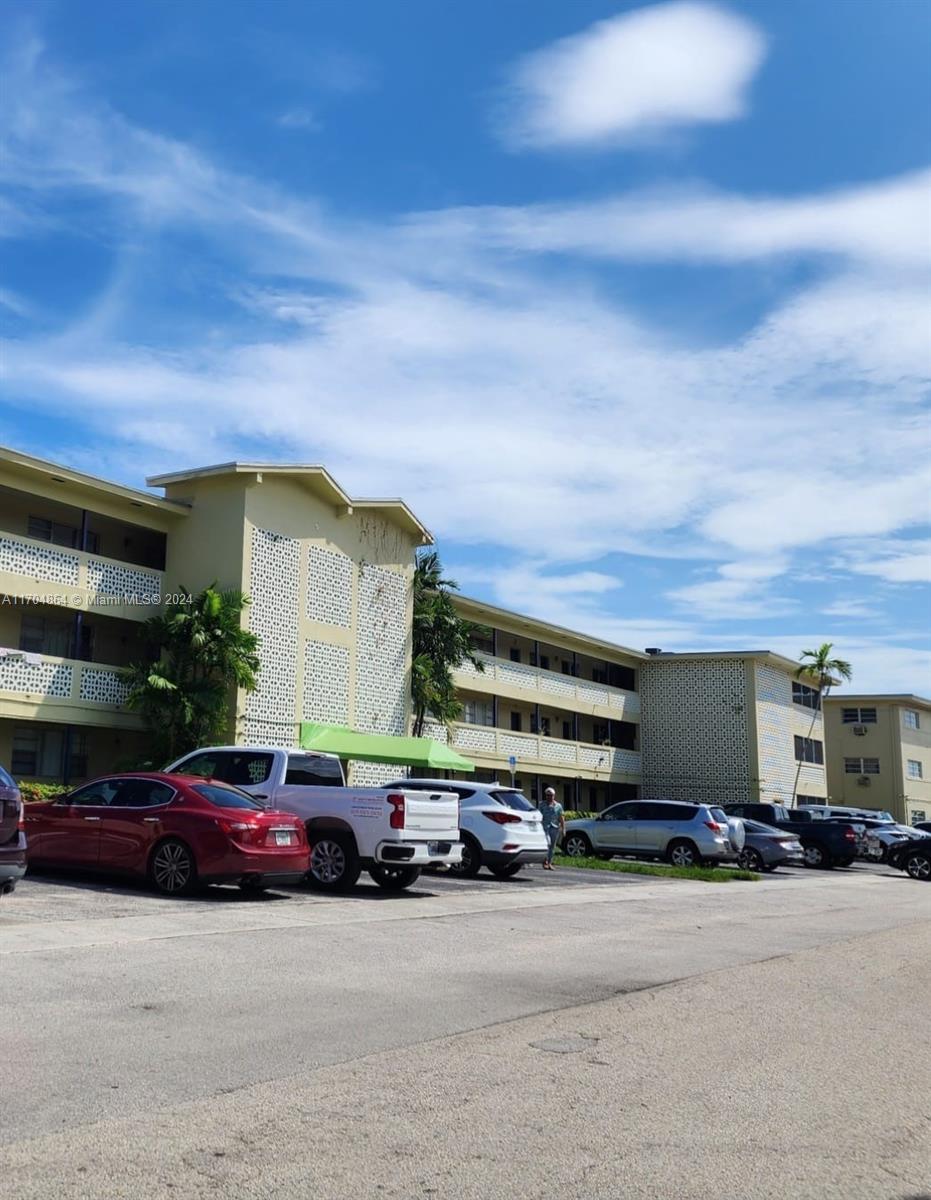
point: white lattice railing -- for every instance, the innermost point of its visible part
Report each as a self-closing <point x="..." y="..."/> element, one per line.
<point x="530" y="748"/>
<point x="580" y="693"/>
<point x="46" y="677"/>
<point x="87" y="574"/>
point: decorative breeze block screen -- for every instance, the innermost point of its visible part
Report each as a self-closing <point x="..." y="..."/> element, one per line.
<point x="22" y="558"/>
<point x="103" y="687"/>
<point x="695" y="744"/>
<point x="381" y="641"/>
<point x="113" y="579"/>
<point x="274" y="588"/>
<point x="326" y="683"/>
<point x="38" y="679"/>
<point x="329" y="587"/>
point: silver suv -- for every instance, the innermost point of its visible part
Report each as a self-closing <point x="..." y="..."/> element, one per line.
<point x="682" y="833"/>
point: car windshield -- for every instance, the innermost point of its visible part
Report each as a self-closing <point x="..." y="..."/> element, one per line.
<point x="513" y="800"/>
<point x="225" y="797"/>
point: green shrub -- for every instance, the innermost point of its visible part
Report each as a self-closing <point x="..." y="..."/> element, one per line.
<point x="34" y="793"/>
<point x="572" y="815"/>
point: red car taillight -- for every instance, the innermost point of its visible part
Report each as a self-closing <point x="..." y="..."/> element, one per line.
<point x="501" y="818"/>
<point x="713" y="826"/>
<point x="239" y="831"/>
<point x="396" y="820"/>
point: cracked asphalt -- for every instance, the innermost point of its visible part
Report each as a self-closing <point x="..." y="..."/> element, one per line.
<point x="617" y="1038"/>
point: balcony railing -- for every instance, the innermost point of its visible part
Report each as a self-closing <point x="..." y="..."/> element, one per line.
<point x="104" y="582"/>
<point x="552" y="686"/>
<point x="41" y="677"/>
<point x="541" y="751"/>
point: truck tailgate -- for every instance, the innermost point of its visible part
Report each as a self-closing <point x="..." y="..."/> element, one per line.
<point x="433" y="815"/>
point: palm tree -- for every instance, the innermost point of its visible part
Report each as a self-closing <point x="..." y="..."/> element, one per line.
<point x="441" y="641"/>
<point x="198" y="652"/>
<point x="822" y="671"/>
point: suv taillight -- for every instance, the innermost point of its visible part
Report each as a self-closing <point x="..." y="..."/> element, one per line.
<point x="396" y="820"/>
<point x="849" y="835"/>
<point x="714" y="826"/>
<point x="501" y="818"/>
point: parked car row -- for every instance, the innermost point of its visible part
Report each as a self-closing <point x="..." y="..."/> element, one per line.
<point x="260" y="816"/>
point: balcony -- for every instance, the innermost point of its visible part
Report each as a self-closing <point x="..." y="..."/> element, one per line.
<point x="50" y="688"/>
<point x="561" y="691"/>
<point x="535" y="750"/>
<point x="76" y="579"/>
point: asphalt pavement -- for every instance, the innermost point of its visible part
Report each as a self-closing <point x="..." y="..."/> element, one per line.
<point x="584" y="1034"/>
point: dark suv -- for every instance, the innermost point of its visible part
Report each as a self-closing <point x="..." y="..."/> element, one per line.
<point x="12" y="837"/>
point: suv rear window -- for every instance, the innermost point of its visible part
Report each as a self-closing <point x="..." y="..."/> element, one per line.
<point x="719" y="815"/>
<point x="225" y="797"/>
<point x="513" y="800"/>
<point x="310" y="770"/>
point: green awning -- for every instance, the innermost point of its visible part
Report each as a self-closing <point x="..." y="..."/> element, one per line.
<point x="381" y="748"/>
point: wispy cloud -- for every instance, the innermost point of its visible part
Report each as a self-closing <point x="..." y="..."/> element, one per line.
<point x="302" y="118"/>
<point x="634" y="77"/>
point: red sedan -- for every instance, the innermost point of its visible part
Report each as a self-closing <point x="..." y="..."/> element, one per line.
<point x="176" y="830"/>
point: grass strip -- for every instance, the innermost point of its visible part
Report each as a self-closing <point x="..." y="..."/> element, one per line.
<point x="705" y="874"/>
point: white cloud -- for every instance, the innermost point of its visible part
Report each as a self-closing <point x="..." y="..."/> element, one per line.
<point x="851" y="610"/>
<point x="896" y="561"/>
<point x="740" y="590"/>
<point x="634" y="76"/>
<point x="885" y="223"/>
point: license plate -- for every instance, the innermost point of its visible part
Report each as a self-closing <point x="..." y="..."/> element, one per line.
<point x="283" y="837"/>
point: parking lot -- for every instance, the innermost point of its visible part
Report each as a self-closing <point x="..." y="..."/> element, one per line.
<point x="372" y="1045"/>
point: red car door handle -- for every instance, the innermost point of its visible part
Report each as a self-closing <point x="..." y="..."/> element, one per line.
<point x="92" y="818"/>
<point x="150" y="820"/>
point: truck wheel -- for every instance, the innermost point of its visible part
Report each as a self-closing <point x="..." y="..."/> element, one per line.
<point x="818" y="858"/>
<point x="471" y="858"/>
<point x="507" y="871"/>
<point x="334" y="863"/>
<point x="684" y="854"/>
<point x="394" y="879"/>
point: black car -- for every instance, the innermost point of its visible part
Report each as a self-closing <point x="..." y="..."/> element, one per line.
<point x="913" y="857"/>
<point x="924" y="826"/>
<point x="12" y="837"/>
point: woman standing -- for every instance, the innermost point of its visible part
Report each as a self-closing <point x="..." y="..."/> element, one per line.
<point x="554" y="824"/>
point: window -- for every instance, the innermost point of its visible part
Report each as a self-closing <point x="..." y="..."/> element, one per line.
<point x="620" y="812"/>
<point x="516" y="722"/>
<point x="45" y="530"/>
<point x="241" y="768"/>
<point x="545" y="726"/>
<point x="807" y="697"/>
<point x="858" y="716"/>
<point x="142" y="793"/>
<point x="222" y="797"/>
<point x="545" y="662"/>
<point x="567" y="731"/>
<point x="46" y="635"/>
<point x="914" y="769"/>
<point x="478" y="712"/>
<point x="599" y="732"/>
<point x="6" y="780"/>
<point x="312" y="770"/>
<point x="910" y="718"/>
<point x="861" y="766"/>
<point x="918" y="815"/>
<point x="809" y="750"/>
<point x="513" y="799"/>
<point x="96" y="795"/>
<point x="37" y="753"/>
<point x="622" y="677"/>
<point x="515" y="654"/>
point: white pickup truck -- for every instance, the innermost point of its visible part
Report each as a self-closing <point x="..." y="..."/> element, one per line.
<point x="391" y="834"/>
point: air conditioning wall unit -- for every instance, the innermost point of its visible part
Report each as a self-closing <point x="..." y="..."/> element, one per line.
<point x="864" y="781"/>
<point x="860" y="730"/>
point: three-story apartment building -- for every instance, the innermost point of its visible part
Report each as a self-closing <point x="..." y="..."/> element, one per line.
<point x="879" y="753"/>
<point x="552" y="707"/>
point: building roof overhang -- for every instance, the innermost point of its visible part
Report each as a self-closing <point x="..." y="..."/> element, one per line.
<point x="315" y="478"/>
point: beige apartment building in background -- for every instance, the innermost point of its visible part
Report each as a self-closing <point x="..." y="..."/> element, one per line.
<point x="879" y="753"/>
<point x="731" y="726"/>
<point x="551" y="707"/>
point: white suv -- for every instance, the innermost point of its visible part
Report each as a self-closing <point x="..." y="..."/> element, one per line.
<point x="498" y="826"/>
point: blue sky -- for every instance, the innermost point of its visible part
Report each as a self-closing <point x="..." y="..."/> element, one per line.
<point x="630" y="303"/>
